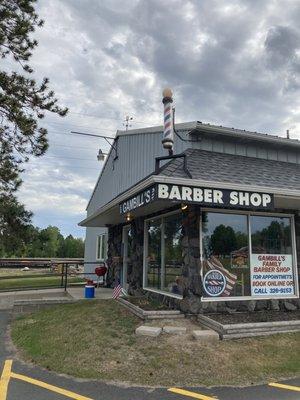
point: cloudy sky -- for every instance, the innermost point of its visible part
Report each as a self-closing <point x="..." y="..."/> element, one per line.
<point x="232" y="63"/>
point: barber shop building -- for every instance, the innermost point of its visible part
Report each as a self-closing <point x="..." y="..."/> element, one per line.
<point x="205" y="218"/>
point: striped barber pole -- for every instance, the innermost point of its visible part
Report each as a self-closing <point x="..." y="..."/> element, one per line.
<point x="168" y="135"/>
<point x="214" y="263"/>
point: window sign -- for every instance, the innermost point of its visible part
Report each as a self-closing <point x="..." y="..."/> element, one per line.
<point x="272" y="275"/>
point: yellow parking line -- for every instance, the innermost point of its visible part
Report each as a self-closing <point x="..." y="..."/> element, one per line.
<point x="52" y="388"/>
<point x="4" y="380"/>
<point x="288" y="387"/>
<point x="191" y="394"/>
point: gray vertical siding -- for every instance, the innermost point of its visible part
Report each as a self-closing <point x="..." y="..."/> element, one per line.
<point x="137" y="152"/>
<point x="136" y="158"/>
<point x="90" y="250"/>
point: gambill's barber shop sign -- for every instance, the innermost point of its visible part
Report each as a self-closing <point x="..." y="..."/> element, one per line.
<point x="213" y="197"/>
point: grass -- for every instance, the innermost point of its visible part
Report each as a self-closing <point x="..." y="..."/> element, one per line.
<point x="96" y="340"/>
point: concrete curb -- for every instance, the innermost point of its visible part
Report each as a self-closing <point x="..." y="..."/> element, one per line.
<point x="236" y="331"/>
<point x="146" y="315"/>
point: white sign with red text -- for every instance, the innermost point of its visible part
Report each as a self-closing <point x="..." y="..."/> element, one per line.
<point x="272" y="275"/>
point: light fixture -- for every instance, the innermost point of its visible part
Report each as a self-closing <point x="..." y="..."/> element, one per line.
<point x="101" y="155"/>
<point x="128" y="217"/>
<point x="184" y="207"/>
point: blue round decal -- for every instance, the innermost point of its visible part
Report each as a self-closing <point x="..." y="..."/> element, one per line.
<point x="214" y="283"/>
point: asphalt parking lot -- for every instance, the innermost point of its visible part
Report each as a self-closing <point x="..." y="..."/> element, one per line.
<point x="19" y="380"/>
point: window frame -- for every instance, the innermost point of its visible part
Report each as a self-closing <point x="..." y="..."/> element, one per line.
<point x="251" y="213"/>
<point x="100" y="238"/>
<point x="145" y="254"/>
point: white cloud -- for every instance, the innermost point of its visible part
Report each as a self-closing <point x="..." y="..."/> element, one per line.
<point x="233" y="63"/>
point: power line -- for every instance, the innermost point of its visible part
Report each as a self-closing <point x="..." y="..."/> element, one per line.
<point x="69" y="146"/>
<point x="70" y="158"/>
<point x="77" y="125"/>
<point x="67" y="167"/>
<point x="95" y="116"/>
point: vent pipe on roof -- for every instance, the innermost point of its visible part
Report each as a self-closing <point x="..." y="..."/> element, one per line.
<point x="168" y="135"/>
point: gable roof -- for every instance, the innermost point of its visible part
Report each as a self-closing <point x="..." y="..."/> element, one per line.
<point x="227" y="168"/>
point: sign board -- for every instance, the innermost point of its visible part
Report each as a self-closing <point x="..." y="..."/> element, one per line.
<point x="215" y="197"/>
<point x="272" y="275"/>
<point x="139" y="200"/>
<point x="214" y="283"/>
<point x="212" y="197"/>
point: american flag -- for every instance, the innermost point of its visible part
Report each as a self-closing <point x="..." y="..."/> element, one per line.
<point x="117" y="290"/>
<point x="214" y="263"/>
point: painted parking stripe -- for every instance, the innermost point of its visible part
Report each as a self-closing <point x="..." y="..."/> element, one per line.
<point x="287" y="387"/>
<point x="5" y="378"/>
<point x="191" y="394"/>
<point x="52" y="388"/>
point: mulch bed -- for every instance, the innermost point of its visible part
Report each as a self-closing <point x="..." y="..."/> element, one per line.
<point x="259" y="316"/>
<point x="147" y="304"/>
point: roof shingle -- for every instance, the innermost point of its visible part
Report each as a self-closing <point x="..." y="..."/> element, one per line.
<point x="221" y="167"/>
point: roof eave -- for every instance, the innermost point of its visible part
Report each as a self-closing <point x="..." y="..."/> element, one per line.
<point x="243" y="134"/>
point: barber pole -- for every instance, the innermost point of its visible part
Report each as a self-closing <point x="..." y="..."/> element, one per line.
<point x="168" y="136"/>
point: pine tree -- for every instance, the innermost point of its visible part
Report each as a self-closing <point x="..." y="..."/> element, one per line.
<point x="23" y="104"/>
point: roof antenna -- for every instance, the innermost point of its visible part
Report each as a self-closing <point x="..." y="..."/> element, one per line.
<point x="168" y="135"/>
<point x="126" y="122"/>
<point x="287" y="133"/>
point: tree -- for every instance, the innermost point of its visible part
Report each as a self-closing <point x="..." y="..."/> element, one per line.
<point x="223" y="240"/>
<point x="23" y="103"/>
<point x="14" y="227"/>
<point x="72" y="247"/>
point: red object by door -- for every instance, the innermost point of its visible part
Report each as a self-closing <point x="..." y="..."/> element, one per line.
<point x="100" y="271"/>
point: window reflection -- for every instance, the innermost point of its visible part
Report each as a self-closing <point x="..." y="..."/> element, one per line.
<point x="226" y="250"/>
<point x="271" y="235"/>
<point x="164" y="254"/>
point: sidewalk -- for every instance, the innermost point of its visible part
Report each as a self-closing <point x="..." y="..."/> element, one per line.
<point x="7" y="299"/>
<point x="100" y="293"/>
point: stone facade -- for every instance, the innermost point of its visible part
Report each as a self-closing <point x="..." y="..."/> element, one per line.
<point x="114" y="250"/>
<point x="190" y="281"/>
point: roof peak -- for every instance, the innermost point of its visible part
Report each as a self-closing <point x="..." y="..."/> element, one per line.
<point x="199" y="126"/>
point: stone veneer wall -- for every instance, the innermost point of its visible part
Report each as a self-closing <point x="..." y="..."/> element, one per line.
<point x="191" y="280"/>
<point x="114" y="249"/>
<point x="115" y="258"/>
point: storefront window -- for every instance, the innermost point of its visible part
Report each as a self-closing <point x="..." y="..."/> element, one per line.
<point x="272" y="272"/>
<point x="163" y="260"/>
<point x="225" y="267"/>
<point x="271" y="235"/>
